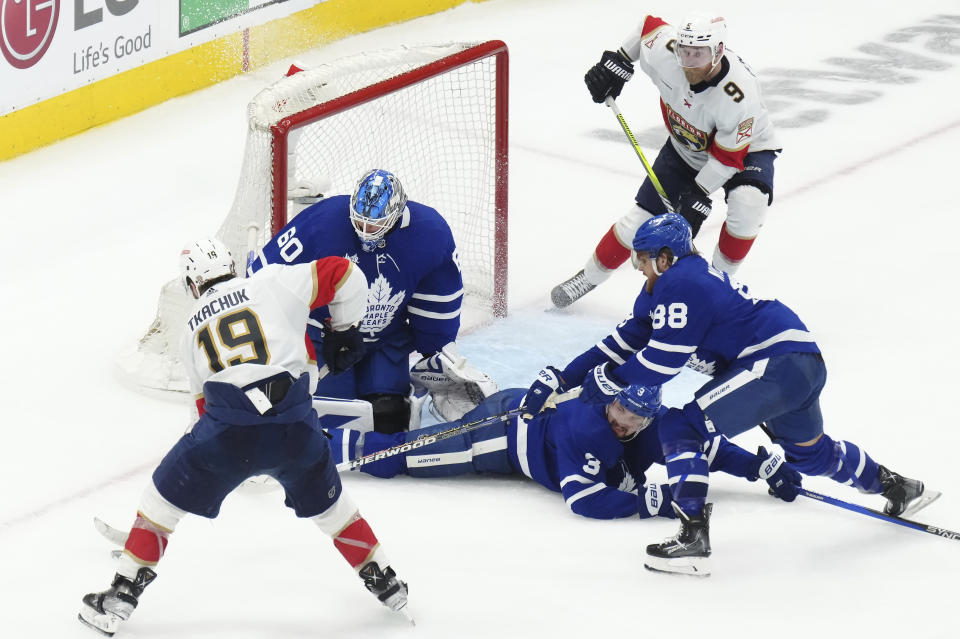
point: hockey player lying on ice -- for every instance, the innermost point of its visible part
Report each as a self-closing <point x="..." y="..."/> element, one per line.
<point x="596" y="456"/>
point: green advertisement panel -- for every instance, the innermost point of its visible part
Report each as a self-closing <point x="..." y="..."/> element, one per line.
<point x="200" y="14"/>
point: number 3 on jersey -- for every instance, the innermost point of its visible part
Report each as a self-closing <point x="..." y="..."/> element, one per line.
<point x="674" y="315"/>
<point x="239" y="333"/>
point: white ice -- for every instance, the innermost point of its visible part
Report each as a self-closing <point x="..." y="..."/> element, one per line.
<point x="862" y="241"/>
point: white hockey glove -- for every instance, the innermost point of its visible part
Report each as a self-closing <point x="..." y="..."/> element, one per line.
<point x="455" y="387"/>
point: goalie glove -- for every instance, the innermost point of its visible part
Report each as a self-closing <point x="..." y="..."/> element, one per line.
<point x="454" y="386"/>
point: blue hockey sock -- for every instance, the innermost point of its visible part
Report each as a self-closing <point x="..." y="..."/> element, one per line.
<point x="689" y="475"/>
<point x="352" y="444"/>
<point x="841" y="461"/>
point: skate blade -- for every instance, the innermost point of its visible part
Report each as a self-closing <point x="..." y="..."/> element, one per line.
<point x="692" y="566"/>
<point x="925" y="499"/>
<point x="405" y="611"/>
<point x="105" y="624"/>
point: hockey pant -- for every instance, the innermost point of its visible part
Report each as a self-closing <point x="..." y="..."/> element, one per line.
<point x="233" y="441"/>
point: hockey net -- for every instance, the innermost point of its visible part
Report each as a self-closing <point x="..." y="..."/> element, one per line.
<point x="436" y="116"/>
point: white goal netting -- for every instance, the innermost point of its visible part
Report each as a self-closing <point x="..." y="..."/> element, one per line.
<point x="433" y="115"/>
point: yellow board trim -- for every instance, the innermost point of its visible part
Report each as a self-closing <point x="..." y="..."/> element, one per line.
<point x="137" y="89"/>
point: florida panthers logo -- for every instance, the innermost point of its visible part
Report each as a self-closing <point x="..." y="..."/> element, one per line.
<point x="684" y="132"/>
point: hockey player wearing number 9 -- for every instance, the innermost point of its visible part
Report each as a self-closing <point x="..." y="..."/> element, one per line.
<point x="720" y="136"/>
<point x="407" y="252"/>
<point x="766" y="369"/>
<point x="250" y="371"/>
<point x="595" y="455"/>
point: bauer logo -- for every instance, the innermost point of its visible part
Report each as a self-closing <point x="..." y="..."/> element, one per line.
<point x="26" y="30"/>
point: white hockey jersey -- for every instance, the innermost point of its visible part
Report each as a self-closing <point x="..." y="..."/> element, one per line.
<point x="714" y="124"/>
<point x="247" y="329"/>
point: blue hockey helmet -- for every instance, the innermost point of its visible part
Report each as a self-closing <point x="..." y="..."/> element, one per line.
<point x="664" y="231"/>
<point x="376" y="204"/>
<point x="643" y="404"/>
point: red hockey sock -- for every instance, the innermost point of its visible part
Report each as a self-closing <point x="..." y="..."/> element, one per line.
<point x="733" y="248"/>
<point x="356" y="542"/>
<point x="147" y="541"/>
<point x="610" y="252"/>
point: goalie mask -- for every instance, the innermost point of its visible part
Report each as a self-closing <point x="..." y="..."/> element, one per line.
<point x="203" y="262"/>
<point x="700" y="41"/>
<point x="375" y="206"/>
<point x="634" y="408"/>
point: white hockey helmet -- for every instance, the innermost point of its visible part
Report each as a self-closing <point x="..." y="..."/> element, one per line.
<point x="204" y="261"/>
<point x="699" y="40"/>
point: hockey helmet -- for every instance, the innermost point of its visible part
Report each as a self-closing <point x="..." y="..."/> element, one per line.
<point x="663" y="231"/>
<point x="204" y="261"/>
<point x="375" y="206"/>
<point x="699" y="40"/>
<point x="643" y="402"/>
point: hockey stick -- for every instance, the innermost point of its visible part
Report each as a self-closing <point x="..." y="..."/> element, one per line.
<point x="610" y="102"/>
<point x="870" y="512"/>
<point x="426" y="440"/>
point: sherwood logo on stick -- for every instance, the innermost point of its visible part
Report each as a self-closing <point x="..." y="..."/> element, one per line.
<point x="26" y="30"/>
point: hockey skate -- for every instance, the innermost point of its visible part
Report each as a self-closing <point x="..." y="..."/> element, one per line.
<point x="384" y="584"/>
<point x="568" y="292"/>
<point x="905" y="496"/>
<point x="105" y="611"/>
<point x="688" y="553"/>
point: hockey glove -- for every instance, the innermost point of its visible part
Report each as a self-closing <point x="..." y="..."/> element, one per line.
<point x="601" y="385"/>
<point x="548" y="382"/>
<point x="606" y="78"/>
<point x="783" y="479"/>
<point x="694" y="206"/>
<point x="342" y="349"/>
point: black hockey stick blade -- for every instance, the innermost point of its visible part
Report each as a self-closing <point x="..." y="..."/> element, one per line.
<point x="870" y="512"/>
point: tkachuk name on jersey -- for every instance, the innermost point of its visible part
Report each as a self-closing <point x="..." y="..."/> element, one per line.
<point x="218" y="305"/>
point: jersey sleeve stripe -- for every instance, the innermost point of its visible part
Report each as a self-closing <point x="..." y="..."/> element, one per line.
<point x="622" y="343"/>
<point x="522" y="445"/>
<point x="586" y="492"/>
<point x="577" y="478"/>
<point x="657" y="368"/>
<point x="609" y="353"/>
<point x="651" y="24"/>
<point x="437" y="298"/>
<point x="789" y="335"/>
<point x="712" y="453"/>
<point x="413" y="310"/>
<point x="671" y="348"/>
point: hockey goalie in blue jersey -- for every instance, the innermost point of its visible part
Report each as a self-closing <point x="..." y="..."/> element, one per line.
<point x="408" y="254"/>
<point x="595" y="455"/>
<point x="766" y="369"/>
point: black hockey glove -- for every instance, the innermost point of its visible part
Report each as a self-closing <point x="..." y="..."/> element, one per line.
<point x="783" y="479"/>
<point x="694" y="206"/>
<point x="608" y="76"/>
<point x="342" y="349"/>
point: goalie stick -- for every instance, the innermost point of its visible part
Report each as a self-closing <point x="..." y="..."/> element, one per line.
<point x="863" y="510"/>
<point x="610" y="102"/>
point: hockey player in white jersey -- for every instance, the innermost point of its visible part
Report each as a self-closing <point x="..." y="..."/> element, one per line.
<point x="252" y="374"/>
<point x="720" y="137"/>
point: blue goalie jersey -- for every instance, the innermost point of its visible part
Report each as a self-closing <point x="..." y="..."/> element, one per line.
<point x="414" y="276"/>
<point x="696" y="317"/>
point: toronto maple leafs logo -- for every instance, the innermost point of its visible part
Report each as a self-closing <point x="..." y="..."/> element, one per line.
<point x="701" y="366"/>
<point x="353" y="258"/>
<point x="382" y="305"/>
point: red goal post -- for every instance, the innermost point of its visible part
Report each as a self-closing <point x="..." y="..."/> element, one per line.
<point x="434" y="115"/>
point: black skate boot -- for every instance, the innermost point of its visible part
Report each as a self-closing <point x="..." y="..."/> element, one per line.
<point x="688" y="553"/>
<point x="391" y="592"/>
<point x="568" y="292"/>
<point x="905" y="496"/>
<point x="105" y="611"/>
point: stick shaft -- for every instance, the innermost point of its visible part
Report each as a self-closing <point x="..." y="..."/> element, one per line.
<point x="610" y="102"/>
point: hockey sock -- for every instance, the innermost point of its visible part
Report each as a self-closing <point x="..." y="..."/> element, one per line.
<point x="610" y="253"/>
<point x="347" y="444"/>
<point x="655" y="501"/>
<point x="732" y="249"/>
<point x="841" y="461"/>
<point x="688" y="473"/>
<point x="156" y="520"/>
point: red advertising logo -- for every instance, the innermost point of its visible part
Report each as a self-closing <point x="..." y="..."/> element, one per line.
<point x="26" y="29"/>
